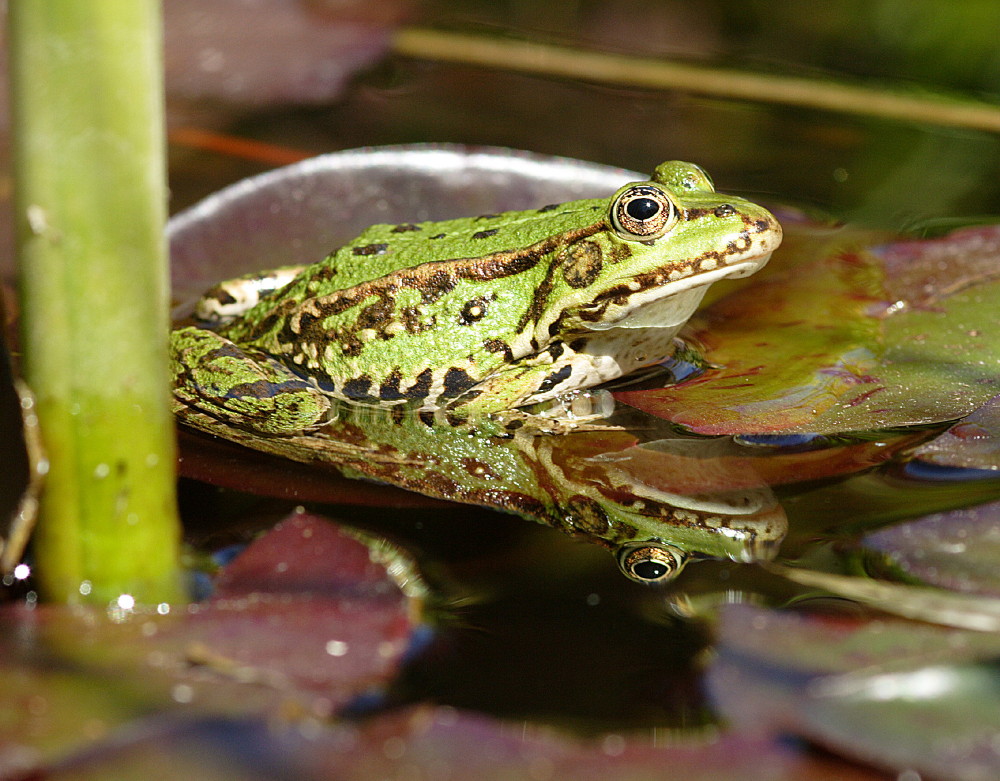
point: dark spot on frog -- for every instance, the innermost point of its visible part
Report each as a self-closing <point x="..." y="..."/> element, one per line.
<point x="554" y="379"/>
<point x="325" y="384"/>
<point x="421" y="386"/>
<point x="742" y="244"/>
<point x="619" y="252"/>
<point x="556" y="349"/>
<point x="485" y="234"/>
<point x="426" y="417"/>
<point x="375" y="315"/>
<point x="587" y="515"/>
<point x="220" y="294"/>
<point x="479" y="469"/>
<point x="433" y="287"/>
<point x="696" y="213"/>
<point x="549" y="207"/>
<point x="456" y="382"/>
<point x="389" y="389"/>
<point x="358" y="389"/>
<point x="453" y="419"/>
<point x="352" y="347"/>
<point x="488" y="216"/>
<point x="439" y="236"/>
<point x="583" y="264"/>
<point x="762" y="225"/>
<point x="405" y="227"/>
<point x="474" y="310"/>
<point x="371" y="249"/>
<point x="499" y="346"/>
<point x="578" y="345"/>
<point x="263" y="389"/>
<point x="725" y="210"/>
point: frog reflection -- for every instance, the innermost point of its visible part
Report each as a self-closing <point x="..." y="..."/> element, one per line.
<point x="655" y="506"/>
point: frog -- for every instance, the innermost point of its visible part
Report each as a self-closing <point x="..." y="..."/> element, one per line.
<point x="470" y="317"/>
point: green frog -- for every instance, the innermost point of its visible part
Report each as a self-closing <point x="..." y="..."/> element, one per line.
<point x="470" y="317"/>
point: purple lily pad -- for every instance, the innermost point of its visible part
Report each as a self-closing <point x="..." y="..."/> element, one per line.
<point x="972" y="443"/>
<point x="435" y="743"/>
<point x="302" y="622"/>
<point x="282" y="51"/>
<point x="898" y="695"/>
<point x="956" y="550"/>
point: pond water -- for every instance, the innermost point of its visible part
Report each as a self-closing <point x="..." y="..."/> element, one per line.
<point x="824" y="505"/>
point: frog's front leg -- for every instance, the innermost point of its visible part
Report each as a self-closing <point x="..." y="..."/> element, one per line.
<point x="243" y="387"/>
<point x="557" y="373"/>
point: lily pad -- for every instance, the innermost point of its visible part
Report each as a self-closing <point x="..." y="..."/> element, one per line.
<point x="896" y="694"/>
<point x="843" y="338"/>
<point x="302" y="622"/>
<point x="972" y="443"/>
<point x="956" y="550"/>
<point x="283" y="51"/>
<point x="435" y="743"/>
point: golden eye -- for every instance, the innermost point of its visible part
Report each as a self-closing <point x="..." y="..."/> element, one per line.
<point x="650" y="562"/>
<point x="642" y="212"/>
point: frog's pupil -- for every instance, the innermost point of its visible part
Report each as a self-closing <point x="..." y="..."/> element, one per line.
<point x="642" y="208"/>
<point x="649" y="569"/>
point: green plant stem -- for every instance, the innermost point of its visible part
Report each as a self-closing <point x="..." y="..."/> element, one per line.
<point x="90" y="209"/>
<point x="547" y="60"/>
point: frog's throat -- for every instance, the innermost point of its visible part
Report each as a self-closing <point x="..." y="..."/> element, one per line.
<point x="605" y="315"/>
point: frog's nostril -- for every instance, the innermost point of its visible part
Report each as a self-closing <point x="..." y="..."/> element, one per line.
<point x="725" y="210"/>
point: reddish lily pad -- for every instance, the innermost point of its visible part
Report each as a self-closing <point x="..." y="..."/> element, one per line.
<point x="301" y="623"/>
<point x="435" y="743"/>
<point x="972" y="443"/>
<point x="847" y="338"/>
<point x="283" y="51"/>
<point x="899" y="695"/>
<point x="957" y="550"/>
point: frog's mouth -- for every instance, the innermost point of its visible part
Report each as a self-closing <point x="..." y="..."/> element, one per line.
<point x="667" y="304"/>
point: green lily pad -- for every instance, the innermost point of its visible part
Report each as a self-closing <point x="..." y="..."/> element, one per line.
<point x="896" y="694"/>
<point x="846" y="336"/>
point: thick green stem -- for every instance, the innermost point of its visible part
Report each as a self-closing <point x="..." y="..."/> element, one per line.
<point x="90" y="210"/>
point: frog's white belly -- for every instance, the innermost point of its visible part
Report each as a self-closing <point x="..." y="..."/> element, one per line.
<point x="611" y="354"/>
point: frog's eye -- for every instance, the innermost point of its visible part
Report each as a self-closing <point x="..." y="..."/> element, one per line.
<point x="650" y="562"/>
<point x="642" y="212"/>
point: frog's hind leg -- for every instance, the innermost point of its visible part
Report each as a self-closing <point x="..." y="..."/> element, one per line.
<point x="233" y="297"/>
<point x="242" y="387"/>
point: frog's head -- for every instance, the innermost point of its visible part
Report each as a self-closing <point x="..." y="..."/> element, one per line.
<point x="663" y="243"/>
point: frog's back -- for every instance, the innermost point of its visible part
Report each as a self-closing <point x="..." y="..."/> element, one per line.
<point x="383" y="249"/>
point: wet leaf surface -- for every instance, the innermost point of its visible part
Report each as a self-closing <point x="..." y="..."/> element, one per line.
<point x="846" y="336"/>
<point x="895" y="694"/>
<point x="435" y="743"/>
<point x="301" y="622"/>
<point x="972" y="443"/>
<point x="956" y="550"/>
